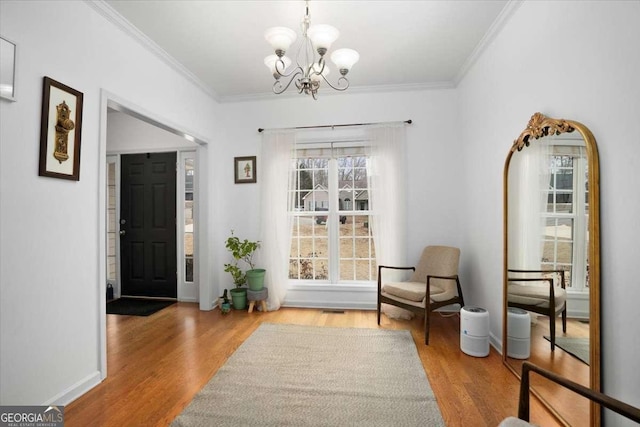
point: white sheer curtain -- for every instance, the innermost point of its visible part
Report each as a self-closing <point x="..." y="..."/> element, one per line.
<point x="528" y="191"/>
<point x="275" y="222"/>
<point x="387" y="192"/>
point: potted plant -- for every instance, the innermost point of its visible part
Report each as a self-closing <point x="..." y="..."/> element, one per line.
<point x="225" y="305"/>
<point x="255" y="276"/>
<point x="243" y="250"/>
<point x="239" y="294"/>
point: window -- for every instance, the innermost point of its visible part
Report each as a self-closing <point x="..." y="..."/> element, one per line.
<point x="111" y="221"/>
<point x="565" y="240"/>
<point x="331" y="240"/>
<point x="188" y="165"/>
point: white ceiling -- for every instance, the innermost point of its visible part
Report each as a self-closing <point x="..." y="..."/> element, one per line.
<point x="402" y="44"/>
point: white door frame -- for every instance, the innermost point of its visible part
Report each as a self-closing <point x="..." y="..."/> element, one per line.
<point x="205" y="291"/>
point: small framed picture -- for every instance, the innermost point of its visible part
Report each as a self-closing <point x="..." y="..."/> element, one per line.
<point x="244" y="169"/>
<point x="60" y="131"/>
<point x="8" y="54"/>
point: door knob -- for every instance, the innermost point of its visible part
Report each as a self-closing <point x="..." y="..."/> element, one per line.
<point x="123" y="232"/>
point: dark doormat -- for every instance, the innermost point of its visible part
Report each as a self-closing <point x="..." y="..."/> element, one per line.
<point x="136" y="306"/>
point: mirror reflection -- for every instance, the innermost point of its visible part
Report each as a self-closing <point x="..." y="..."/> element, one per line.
<point x="549" y="304"/>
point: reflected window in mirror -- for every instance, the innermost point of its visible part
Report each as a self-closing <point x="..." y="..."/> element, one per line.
<point x="565" y="214"/>
<point x="551" y="213"/>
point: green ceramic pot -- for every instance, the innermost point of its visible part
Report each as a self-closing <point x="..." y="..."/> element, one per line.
<point x="239" y="298"/>
<point x="255" y="278"/>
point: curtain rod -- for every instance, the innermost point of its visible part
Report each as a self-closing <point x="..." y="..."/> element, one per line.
<point x="336" y="126"/>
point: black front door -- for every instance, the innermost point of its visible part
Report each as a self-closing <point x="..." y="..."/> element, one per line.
<point x="148" y="225"/>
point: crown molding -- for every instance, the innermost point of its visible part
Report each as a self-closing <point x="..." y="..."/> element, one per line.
<point x="127" y="27"/>
<point x="409" y="87"/>
<point x="497" y="26"/>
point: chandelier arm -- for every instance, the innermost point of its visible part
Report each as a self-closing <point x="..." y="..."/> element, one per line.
<point x="278" y="84"/>
<point x="298" y="69"/>
<point x="340" y="80"/>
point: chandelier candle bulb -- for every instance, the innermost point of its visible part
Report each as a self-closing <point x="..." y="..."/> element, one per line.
<point x="345" y="59"/>
<point x="322" y="37"/>
<point x="280" y="38"/>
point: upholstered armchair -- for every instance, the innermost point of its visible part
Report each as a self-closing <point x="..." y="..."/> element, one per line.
<point x="434" y="284"/>
<point x="539" y="291"/>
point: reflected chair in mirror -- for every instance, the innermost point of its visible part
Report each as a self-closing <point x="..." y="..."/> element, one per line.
<point x="435" y="276"/>
<point x="524" y="406"/>
<point x="542" y="292"/>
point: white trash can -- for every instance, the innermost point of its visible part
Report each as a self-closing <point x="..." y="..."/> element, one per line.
<point x="474" y="331"/>
<point x="518" y="333"/>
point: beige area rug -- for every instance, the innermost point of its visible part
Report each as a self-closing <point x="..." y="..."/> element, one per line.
<point x="290" y="375"/>
<point x="577" y="347"/>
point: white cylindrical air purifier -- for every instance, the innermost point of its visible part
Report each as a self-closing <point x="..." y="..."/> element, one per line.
<point x="474" y="331"/>
<point x="518" y="333"/>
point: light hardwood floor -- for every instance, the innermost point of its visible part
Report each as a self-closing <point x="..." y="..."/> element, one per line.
<point x="157" y="364"/>
<point x="574" y="408"/>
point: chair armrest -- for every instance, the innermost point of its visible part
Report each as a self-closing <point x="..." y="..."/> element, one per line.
<point x="432" y="276"/>
<point x="559" y="272"/>
<point x="615" y="405"/>
<point x="454" y="277"/>
<point x="380" y="267"/>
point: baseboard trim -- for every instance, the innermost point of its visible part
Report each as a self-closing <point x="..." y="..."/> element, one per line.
<point x="348" y="305"/>
<point x="495" y="343"/>
<point x="76" y="390"/>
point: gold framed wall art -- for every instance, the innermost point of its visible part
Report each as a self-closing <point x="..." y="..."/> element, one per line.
<point x="60" y="131"/>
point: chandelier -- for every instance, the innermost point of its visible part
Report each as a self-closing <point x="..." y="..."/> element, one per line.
<point x="309" y="71"/>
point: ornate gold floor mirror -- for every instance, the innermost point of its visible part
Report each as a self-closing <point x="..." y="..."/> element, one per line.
<point x="552" y="224"/>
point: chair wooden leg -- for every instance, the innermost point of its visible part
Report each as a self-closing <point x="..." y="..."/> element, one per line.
<point x="552" y="328"/>
<point x="378" y="311"/>
<point x="426" y="326"/>
<point x="460" y="292"/>
<point x="564" y="320"/>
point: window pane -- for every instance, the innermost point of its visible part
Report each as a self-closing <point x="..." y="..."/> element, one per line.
<point x="309" y="249"/>
<point x="564" y="253"/>
<point x="560" y="195"/>
<point x="558" y="246"/>
<point x="189" y="269"/>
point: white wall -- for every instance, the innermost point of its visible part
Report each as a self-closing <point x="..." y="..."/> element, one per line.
<point x="579" y="61"/>
<point x="127" y="134"/>
<point x="51" y="285"/>
<point x="434" y="167"/>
